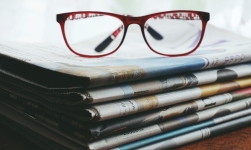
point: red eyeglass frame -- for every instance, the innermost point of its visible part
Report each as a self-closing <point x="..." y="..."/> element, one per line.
<point x="127" y="20"/>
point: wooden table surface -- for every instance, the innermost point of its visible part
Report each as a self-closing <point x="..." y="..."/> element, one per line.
<point x="235" y="140"/>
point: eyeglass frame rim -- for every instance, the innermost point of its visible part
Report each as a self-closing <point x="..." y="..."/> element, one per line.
<point x="140" y="20"/>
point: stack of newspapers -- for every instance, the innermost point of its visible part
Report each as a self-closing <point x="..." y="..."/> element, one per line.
<point x="129" y="100"/>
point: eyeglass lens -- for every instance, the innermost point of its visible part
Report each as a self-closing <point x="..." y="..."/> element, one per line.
<point x="181" y="32"/>
<point x="93" y="34"/>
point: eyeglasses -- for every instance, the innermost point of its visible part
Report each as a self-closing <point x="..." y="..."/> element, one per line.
<point x="97" y="34"/>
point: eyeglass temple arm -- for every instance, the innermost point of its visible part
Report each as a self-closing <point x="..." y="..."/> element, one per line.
<point x="111" y="37"/>
<point x="151" y="31"/>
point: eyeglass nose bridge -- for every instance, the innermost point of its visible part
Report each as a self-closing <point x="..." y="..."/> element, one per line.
<point x="133" y="20"/>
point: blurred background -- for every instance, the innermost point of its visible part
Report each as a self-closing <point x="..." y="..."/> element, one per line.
<point x="35" y="20"/>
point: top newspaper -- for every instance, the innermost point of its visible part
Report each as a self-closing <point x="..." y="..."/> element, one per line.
<point x="133" y="61"/>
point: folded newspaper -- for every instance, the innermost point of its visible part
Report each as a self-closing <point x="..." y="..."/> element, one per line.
<point x="46" y="65"/>
<point x="53" y="70"/>
<point x="64" y="101"/>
